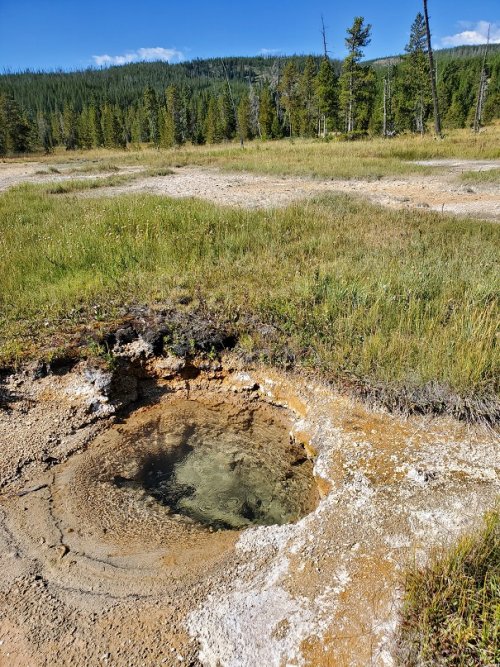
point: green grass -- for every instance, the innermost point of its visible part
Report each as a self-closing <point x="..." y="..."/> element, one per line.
<point x="490" y="176"/>
<point x="74" y="185"/>
<point x="357" y="292"/>
<point x="451" y="608"/>
<point x="158" y="171"/>
<point x="95" y="166"/>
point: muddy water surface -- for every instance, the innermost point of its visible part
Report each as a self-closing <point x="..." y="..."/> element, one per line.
<point x="176" y="475"/>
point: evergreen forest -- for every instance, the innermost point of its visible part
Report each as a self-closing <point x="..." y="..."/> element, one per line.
<point x="212" y="101"/>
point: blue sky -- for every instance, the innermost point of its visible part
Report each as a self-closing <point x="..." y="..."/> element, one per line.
<point x="74" y="34"/>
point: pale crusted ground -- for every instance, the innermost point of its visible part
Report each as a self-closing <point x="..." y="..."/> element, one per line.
<point x="323" y="591"/>
<point x="441" y="192"/>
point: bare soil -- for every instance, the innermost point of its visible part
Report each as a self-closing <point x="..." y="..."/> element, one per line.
<point x="86" y="581"/>
<point x="442" y="191"/>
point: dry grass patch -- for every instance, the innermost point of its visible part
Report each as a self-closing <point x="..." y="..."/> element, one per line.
<point x="367" y="159"/>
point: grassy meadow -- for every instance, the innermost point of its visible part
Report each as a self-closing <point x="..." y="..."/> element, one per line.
<point x="360" y="293"/>
<point x="402" y="299"/>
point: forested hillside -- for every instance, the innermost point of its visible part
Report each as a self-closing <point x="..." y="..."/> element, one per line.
<point x="209" y="101"/>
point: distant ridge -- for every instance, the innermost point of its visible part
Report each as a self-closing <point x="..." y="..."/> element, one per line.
<point x="456" y="52"/>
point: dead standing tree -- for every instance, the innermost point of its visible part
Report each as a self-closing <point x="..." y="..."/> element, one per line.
<point x="388" y="125"/>
<point x="483" y="85"/>
<point x="323" y="34"/>
<point x="322" y="116"/>
<point x="437" y="117"/>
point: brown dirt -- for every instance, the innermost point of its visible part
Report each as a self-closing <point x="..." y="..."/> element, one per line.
<point x="442" y="192"/>
<point x="322" y="591"/>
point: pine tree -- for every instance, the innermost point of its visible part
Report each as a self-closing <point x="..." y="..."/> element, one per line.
<point x="128" y="116"/>
<point x="136" y="126"/>
<point x="3" y="127"/>
<point x="267" y="113"/>
<point x="491" y="108"/>
<point x="244" y="119"/>
<point x="170" y="126"/>
<point x="456" y="115"/>
<point x="121" y="132"/>
<point x="112" y="128"/>
<point x="366" y="96"/>
<point x="84" y="129"/>
<point x="94" y="121"/>
<point x="354" y="77"/>
<point x="456" y="95"/>
<point x="107" y="126"/>
<point x="290" y="98"/>
<point x="198" y="117"/>
<point x="227" y="116"/>
<point x="309" y="107"/>
<point x="277" y="129"/>
<point x="151" y="113"/>
<point x="166" y="129"/>
<point x="69" y="128"/>
<point x="325" y="86"/>
<point x="183" y="117"/>
<point x="213" y="133"/>
<point x="56" y="126"/>
<point x="17" y="130"/>
<point x="174" y="110"/>
<point x="412" y="94"/>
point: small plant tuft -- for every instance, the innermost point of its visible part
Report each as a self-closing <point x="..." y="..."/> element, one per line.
<point x="451" y="609"/>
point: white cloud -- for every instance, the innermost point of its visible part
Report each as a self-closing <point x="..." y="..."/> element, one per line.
<point x="474" y="33"/>
<point x="151" y="53"/>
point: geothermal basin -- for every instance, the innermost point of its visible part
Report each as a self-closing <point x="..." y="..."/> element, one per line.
<point x="220" y="515"/>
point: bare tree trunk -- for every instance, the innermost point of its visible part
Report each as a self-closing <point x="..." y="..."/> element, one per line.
<point x="391" y="118"/>
<point x="483" y="84"/>
<point x="384" y="128"/>
<point x="322" y="117"/>
<point x="437" y="117"/>
<point x="323" y="33"/>
<point x="388" y="127"/>
<point x="254" y="110"/>
<point x="350" y="123"/>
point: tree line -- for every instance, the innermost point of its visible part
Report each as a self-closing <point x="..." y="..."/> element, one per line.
<point x="214" y="101"/>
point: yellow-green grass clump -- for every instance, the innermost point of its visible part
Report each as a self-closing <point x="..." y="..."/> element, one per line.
<point x="451" y="609"/>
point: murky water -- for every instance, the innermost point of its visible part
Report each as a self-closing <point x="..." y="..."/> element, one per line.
<point x="219" y="465"/>
<point x="174" y="483"/>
